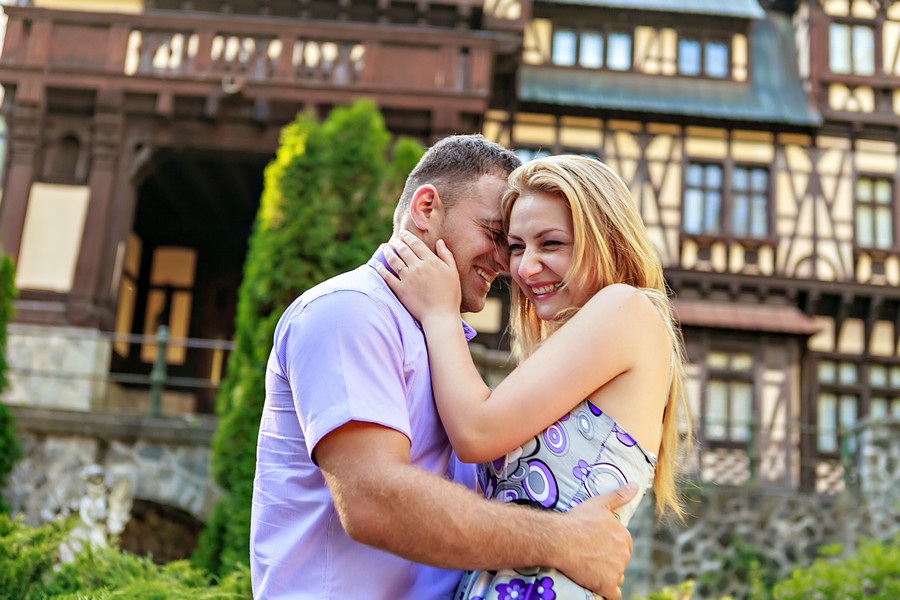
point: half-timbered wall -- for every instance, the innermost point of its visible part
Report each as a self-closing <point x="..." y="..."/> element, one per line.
<point x="811" y="191"/>
<point x="855" y="58"/>
<point x="821" y="222"/>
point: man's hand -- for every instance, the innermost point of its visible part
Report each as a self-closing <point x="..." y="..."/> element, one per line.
<point x="599" y="545"/>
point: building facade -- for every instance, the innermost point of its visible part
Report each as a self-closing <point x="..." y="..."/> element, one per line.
<point x="760" y="139"/>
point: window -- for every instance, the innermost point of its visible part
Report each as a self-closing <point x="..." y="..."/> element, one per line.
<point x="711" y="207"/>
<point x="591" y="49"/>
<point x="565" y="47"/>
<point x="837" y="408"/>
<point x="850" y="390"/>
<point x="728" y="406"/>
<point x="874" y="212"/>
<point x="851" y="49"/>
<point x="884" y="382"/>
<point x="703" y="198"/>
<point x="750" y="199"/>
<point x="169" y="300"/>
<point x="128" y="290"/>
<point x="618" y="56"/>
<point x="708" y="58"/>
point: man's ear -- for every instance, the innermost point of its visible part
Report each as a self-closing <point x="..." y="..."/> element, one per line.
<point x="426" y="208"/>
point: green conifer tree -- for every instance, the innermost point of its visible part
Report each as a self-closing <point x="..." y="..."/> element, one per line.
<point x="327" y="203"/>
<point x="10" y="451"/>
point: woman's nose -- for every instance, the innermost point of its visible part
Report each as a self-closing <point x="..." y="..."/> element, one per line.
<point x="529" y="265"/>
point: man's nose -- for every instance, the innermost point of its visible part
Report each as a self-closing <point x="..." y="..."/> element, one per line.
<point x="501" y="258"/>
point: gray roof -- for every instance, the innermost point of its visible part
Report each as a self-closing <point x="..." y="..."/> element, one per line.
<point x="748" y="9"/>
<point x="774" y="93"/>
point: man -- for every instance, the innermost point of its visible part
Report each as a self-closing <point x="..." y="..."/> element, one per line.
<point x="357" y="493"/>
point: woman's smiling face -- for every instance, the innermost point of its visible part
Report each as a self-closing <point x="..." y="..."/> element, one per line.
<point x="541" y="247"/>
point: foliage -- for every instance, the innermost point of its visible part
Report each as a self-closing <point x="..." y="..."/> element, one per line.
<point x="29" y="570"/>
<point x="10" y="451"/>
<point x="873" y="572"/>
<point x="327" y="202"/>
<point x="685" y="591"/>
<point x="743" y="562"/>
<point x="25" y="555"/>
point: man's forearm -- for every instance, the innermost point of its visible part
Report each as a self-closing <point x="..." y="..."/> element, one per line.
<point x="430" y="520"/>
<point x="385" y="502"/>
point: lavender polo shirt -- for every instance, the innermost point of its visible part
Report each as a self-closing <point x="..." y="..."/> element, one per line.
<point x="346" y="350"/>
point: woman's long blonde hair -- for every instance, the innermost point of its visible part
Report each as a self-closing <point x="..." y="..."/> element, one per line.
<point x="610" y="246"/>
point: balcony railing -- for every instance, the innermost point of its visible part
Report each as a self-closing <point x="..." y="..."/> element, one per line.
<point x="278" y="58"/>
<point x="48" y="363"/>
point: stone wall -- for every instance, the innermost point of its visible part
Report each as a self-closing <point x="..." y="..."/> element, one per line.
<point x="780" y="527"/>
<point x="166" y="461"/>
<point x="56" y="367"/>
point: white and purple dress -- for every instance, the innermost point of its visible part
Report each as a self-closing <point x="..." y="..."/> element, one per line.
<point x="584" y="454"/>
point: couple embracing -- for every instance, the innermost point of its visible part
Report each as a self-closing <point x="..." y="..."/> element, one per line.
<point x="375" y="416"/>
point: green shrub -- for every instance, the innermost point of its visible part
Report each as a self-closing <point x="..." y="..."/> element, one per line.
<point x="746" y="563"/>
<point x="873" y="572"/>
<point x="26" y="554"/>
<point x="29" y="570"/>
<point x="327" y="203"/>
<point x="10" y="451"/>
<point x="684" y="591"/>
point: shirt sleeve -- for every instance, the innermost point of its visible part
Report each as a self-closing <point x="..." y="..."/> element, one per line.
<point x="343" y="356"/>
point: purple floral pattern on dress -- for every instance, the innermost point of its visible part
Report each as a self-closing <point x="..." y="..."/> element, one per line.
<point x="518" y="589"/>
<point x="581" y="470"/>
<point x="598" y="456"/>
<point x="624" y="437"/>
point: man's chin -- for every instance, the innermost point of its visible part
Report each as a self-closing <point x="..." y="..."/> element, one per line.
<point x="473" y="307"/>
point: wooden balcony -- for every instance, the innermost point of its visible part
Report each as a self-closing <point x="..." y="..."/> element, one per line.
<point x="171" y="55"/>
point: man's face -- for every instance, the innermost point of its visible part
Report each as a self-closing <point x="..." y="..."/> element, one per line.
<point x="473" y="231"/>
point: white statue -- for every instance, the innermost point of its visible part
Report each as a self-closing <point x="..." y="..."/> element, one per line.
<point x="104" y="511"/>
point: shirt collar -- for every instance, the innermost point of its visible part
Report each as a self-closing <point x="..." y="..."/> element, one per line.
<point x="378" y="257"/>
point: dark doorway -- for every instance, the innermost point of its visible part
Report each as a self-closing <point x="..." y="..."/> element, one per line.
<point x="183" y="267"/>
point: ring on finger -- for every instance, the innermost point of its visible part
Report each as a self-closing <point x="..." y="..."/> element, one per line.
<point x="400" y="268"/>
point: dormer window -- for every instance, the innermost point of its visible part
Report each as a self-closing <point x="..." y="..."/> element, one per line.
<point x="703" y="58"/>
<point x="591" y="49"/>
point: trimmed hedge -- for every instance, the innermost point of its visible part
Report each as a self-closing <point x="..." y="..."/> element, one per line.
<point x="10" y="451"/>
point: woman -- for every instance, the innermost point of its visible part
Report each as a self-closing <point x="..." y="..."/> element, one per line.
<point x="592" y="404"/>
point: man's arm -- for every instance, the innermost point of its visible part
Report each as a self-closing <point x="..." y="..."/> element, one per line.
<point x="385" y="502"/>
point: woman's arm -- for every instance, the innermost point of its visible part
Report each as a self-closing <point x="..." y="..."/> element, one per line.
<point x="598" y="344"/>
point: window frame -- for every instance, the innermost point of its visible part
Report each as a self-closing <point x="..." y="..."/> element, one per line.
<point x="851" y="23"/>
<point x="892" y="209"/>
<point x="861" y="388"/>
<point x="727" y="195"/>
<point x="704" y="40"/>
<point x="604" y="32"/>
<point x="729" y="376"/>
